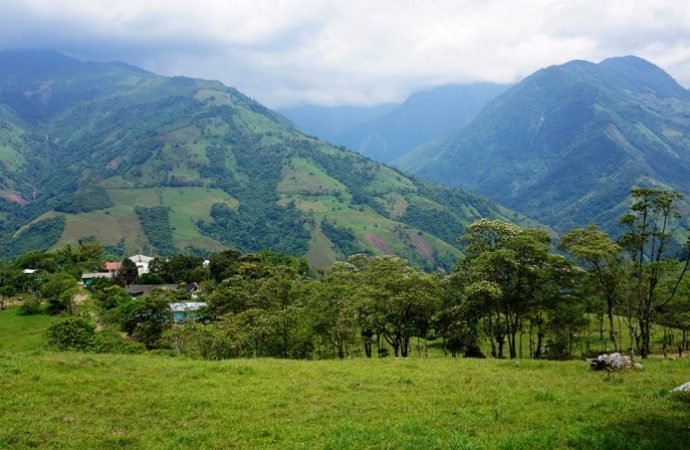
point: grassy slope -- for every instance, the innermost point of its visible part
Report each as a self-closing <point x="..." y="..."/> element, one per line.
<point x="187" y="205"/>
<point x="87" y="401"/>
<point x="78" y="400"/>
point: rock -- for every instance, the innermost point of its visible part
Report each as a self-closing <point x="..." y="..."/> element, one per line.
<point x="612" y="362"/>
<point x="682" y="388"/>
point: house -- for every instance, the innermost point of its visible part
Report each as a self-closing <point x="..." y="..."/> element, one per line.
<point x="112" y="266"/>
<point x="142" y="263"/>
<point x="88" y="277"/>
<point x="187" y="311"/>
<point x="137" y="290"/>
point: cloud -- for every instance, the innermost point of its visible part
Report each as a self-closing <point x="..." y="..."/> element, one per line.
<point x="358" y="52"/>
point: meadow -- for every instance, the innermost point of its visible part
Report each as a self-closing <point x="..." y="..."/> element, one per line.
<point x="155" y="400"/>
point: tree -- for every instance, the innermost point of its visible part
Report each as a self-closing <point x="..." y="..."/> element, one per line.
<point x="503" y="270"/>
<point x="403" y="299"/>
<point x="648" y="239"/>
<point x="74" y="333"/>
<point x="458" y="319"/>
<point x="222" y="265"/>
<point x="147" y="318"/>
<point x="179" y="269"/>
<point x="332" y="304"/>
<point x="601" y="258"/>
<point x="59" y="289"/>
<point x="128" y="273"/>
<point x="9" y="283"/>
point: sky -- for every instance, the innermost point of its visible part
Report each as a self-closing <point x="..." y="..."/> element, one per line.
<point x="355" y="52"/>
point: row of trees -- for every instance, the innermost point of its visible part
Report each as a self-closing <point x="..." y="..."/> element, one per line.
<point x="513" y="289"/>
<point x="516" y="293"/>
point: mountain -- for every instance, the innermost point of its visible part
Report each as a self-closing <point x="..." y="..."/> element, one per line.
<point x="424" y="117"/>
<point x="145" y="163"/>
<point x="328" y="122"/>
<point x="568" y="143"/>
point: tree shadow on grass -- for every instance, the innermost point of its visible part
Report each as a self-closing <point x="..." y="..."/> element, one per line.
<point x="653" y="432"/>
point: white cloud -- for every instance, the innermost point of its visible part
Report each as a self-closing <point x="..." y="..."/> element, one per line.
<point x="356" y="51"/>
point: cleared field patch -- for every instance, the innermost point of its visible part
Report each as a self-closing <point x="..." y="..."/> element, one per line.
<point x="109" y="226"/>
<point x="213" y="96"/>
<point x="301" y="176"/>
<point x="320" y="254"/>
<point x="388" y="180"/>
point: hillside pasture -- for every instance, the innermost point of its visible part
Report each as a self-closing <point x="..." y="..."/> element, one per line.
<point x="73" y="400"/>
<point x="187" y="206"/>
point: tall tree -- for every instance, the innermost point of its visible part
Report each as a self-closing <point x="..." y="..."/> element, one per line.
<point x="128" y="273"/>
<point x="403" y="298"/>
<point x="601" y="259"/>
<point x="648" y="240"/>
<point x="60" y="289"/>
<point x="504" y="269"/>
<point x="333" y="305"/>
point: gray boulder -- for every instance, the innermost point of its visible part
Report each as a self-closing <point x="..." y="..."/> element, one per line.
<point x="683" y="388"/>
<point x="612" y="362"/>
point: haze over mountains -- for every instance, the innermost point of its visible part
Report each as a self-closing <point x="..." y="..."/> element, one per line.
<point x="328" y="123"/>
<point x="163" y="165"/>
<point x="424" y="117"/>
<point x="568" y="143"/>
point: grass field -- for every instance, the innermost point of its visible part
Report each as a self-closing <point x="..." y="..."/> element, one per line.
<point x="81" y="400"/>
<point x="187" y="205"/>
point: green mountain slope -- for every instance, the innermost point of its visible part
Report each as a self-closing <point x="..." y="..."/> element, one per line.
<point x="145" y="163"/>
<point x="568" y="143"/>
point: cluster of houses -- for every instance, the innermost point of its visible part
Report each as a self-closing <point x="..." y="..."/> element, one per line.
<point x="181" y="311"/>
<point x="111" y="268"/>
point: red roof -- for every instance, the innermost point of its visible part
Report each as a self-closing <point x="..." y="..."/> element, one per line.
<point x="112" y="266"/>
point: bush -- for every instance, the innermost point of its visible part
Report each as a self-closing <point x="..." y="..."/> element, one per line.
<point x="30" y="307"/>
<point x="75" y="333"/>
<point x="111" y="342"/>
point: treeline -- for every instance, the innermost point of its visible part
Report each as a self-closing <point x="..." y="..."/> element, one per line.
<point x="515" y="294"/>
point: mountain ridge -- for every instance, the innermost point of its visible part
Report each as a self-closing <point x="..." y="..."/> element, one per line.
<point x="171" y="164"/>
<point x="568" y="143"/>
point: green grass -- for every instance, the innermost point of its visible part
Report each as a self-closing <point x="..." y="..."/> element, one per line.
<point x="302" y="176"/>
<point x="23" y="333"/>
<point x="75" y="400"/>
<point x="85" y="400"/>
<point x="187" y="205"/>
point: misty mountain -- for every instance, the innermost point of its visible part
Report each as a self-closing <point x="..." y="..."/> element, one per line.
<point x="568" y="143"/>
<point x="328" y="122"/>
<point x="424" y="117"/>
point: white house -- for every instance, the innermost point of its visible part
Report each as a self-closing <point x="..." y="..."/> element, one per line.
<point x="142" y="263"/>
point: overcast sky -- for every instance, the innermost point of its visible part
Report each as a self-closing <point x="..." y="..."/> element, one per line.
<point x="286" y="52"/>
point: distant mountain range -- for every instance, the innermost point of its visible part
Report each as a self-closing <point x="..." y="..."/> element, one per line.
<point x="423" y="118"/>
<point x="568" y="143"/>
<point x="145" y="163"/>
<point x="327" y="123"/>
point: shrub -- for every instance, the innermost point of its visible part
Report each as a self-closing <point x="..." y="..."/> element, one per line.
<point x="75" y="333"/>
<point x="111" y="342"/>
<point x="30" y="307"/>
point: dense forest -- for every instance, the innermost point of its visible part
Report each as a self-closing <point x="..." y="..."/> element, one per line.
<point x="516" y="293"/>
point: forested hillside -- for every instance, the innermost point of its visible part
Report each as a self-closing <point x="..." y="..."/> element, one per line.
<point x="145" y="163"/>
<point x="568" y="143"/>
